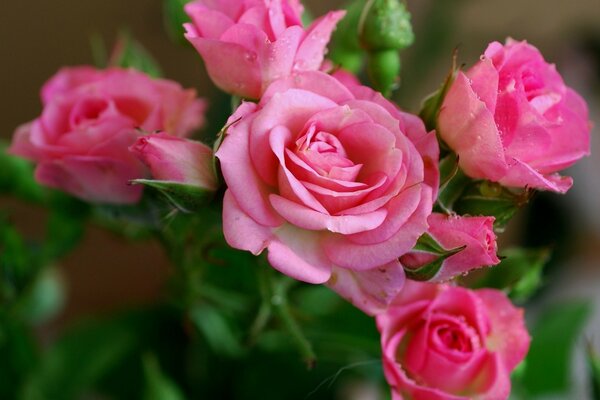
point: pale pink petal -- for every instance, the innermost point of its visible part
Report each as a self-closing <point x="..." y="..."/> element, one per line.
<point x="306" y="218"/>
<point x="349" y="254"/>
<point x="240" y="230"/>
<point x="371" y="290"/>
<point x="297" y="253"/>
<point x="95" y="179"/>
<point x="236" y="166"/>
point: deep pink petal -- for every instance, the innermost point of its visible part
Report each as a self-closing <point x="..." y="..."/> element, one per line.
<point x="311" y="52"/>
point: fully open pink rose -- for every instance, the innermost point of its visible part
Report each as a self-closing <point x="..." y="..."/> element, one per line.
<point x="246" y="44"/>
<point x="332" y="182"/>
<point x="441" y="342"/>
<point x="90" y="118"/>
<point x="176" y="159"/>
<point x="477" y="236"/>
<point x="512" y="120"/>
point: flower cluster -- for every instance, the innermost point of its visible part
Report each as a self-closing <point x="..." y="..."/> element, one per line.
<point x="335" y="182"/>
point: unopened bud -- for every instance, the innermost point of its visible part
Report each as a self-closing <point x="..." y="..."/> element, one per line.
<point x="385" y="25"/>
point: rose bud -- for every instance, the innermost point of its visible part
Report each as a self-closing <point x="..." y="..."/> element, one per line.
<point x="473" y="239"/>
<point x="173" y="159"/>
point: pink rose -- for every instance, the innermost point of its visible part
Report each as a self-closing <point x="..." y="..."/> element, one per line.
<point x="512" y="120"/>
<point x="441" y="342"/>
<point x="330" y="181"/>
<point x="246" y="44"/>
<point x="90" y="118"/>
<point x="451" y="232"/>
<point x="174" y="159"/>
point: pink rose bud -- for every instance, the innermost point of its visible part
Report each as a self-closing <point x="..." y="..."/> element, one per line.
<point x="174" y="159"/>
<point x="475" y="234"/>
<point x="248" y="44"/>
<point x="335" y="183"/>
<point x="512" y="120"/>
<point x="90" y="118"/>
<point x="450" y="343"/>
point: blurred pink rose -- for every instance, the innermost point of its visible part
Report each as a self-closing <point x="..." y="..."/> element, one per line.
<point x="331" y="182"/>
<point x="443" y="342"/>
<point x="451" y="232"/>
<point x="246" y="44"/>
<point x="512" y="120"/>
<point x="175" y="159"/>
<point x="90" y="118"/>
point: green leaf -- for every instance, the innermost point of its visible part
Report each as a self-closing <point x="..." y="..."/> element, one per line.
<point x="428" y="271"/>
<point x="427" y="244"/>
<point x="432" y="104"/>
<point x="186" y="198"/>
<point x="488" y="198"/>
<point x="129" y="53"/>
<point x="519" y="273"/>
<point x="553" y="338"/>
<point x="452" y="185"/>
<point x="158" y="386"/>
<point x="174" y="18"/>
<point x="44" y="298"/>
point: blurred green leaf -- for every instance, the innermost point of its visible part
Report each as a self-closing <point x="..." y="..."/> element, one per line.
<point x="174" y="18"/>
<point x="344" y="47"/>
<point x="519" y="273"/>
<point x="80" y="359"/>
<point x="17" y="263"/>
<point x="216" y="329"/>
<point x="129" y="53"/>
<point x="44" y="298"/>
<point x="16" y="176"/>
<point x="19" y="355"/>
<point x="553" y="339"/>
<point x="66" y="224"/>
<point x="593" y="361"/>
<point x="158" y="386"/>
<point x="316" y="300"/>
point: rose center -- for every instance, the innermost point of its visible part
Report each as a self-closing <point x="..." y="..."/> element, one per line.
<point x="455" y="337"/>
<point x="323" y="152"/>
<point x="537" y="92"/>
<point x="88" y="110"/>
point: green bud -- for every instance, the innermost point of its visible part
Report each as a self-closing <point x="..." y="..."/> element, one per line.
<point x="385" y="25"/>
<point x="383" y="68"/>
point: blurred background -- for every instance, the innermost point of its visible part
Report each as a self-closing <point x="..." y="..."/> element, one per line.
<point x="105" y="274"/>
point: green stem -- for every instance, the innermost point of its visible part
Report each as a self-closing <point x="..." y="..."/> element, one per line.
<point x="274" y="301"/>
